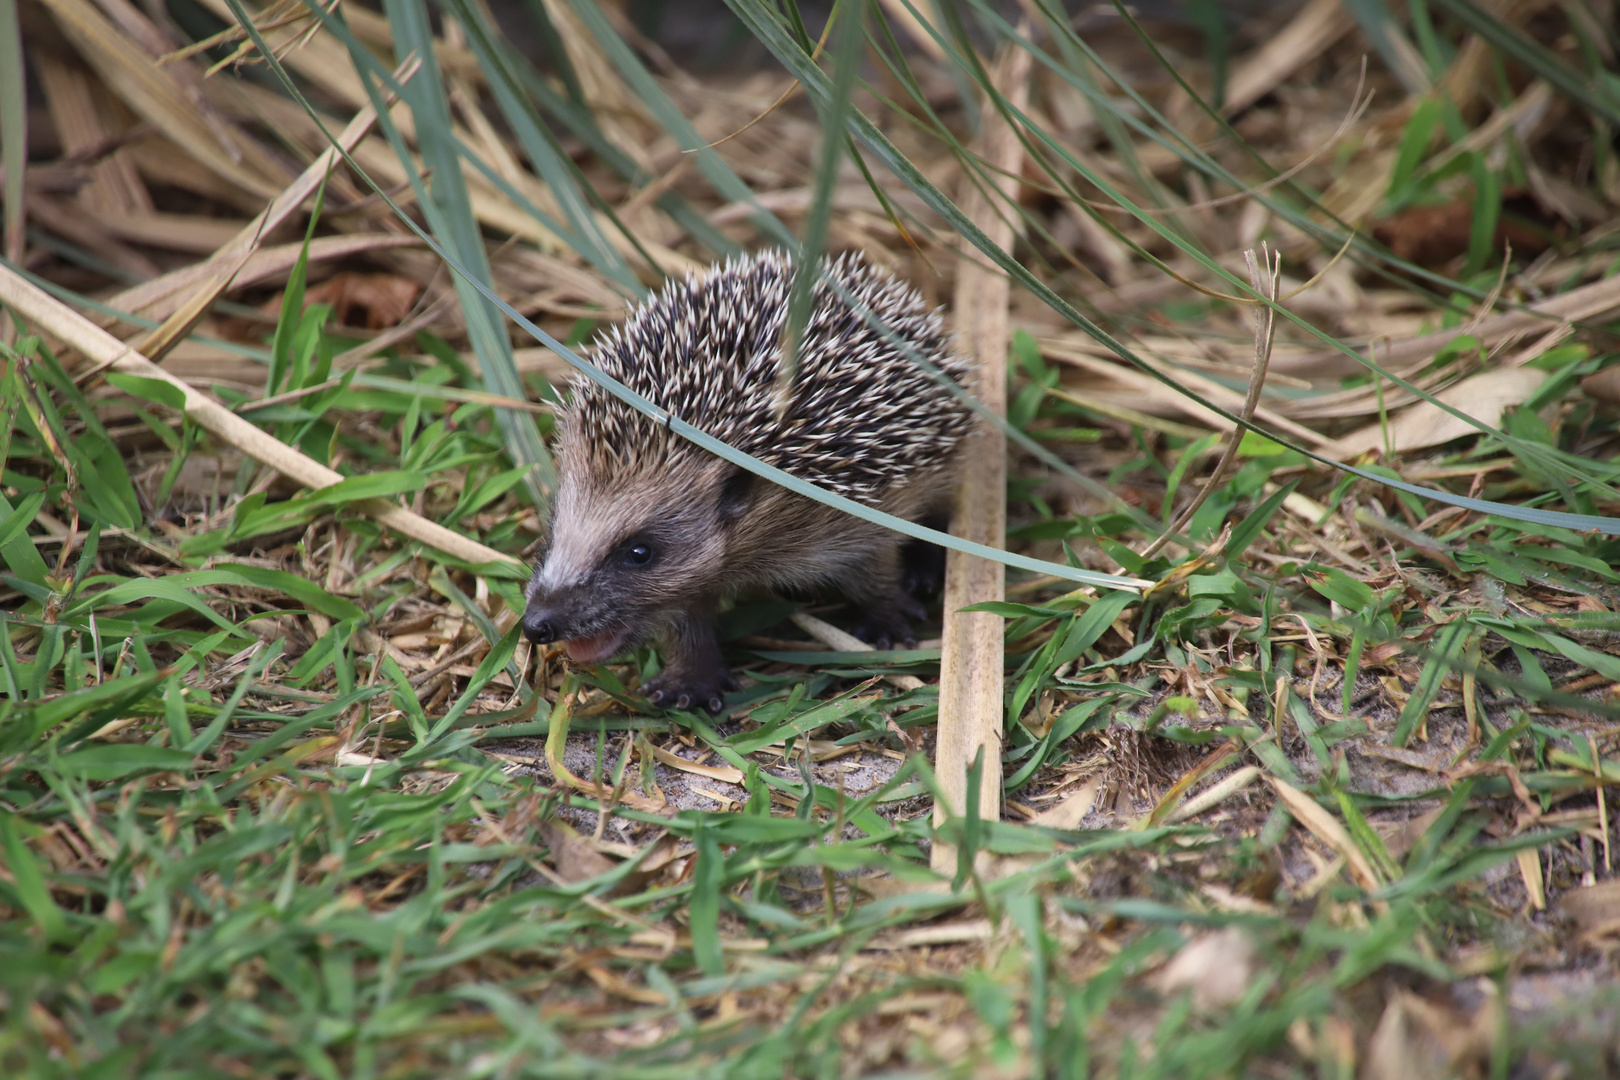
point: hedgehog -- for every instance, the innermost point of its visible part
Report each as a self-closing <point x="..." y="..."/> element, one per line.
<point x="651" y="533"/>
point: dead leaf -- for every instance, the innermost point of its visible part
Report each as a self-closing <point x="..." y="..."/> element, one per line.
<point x="1217" y="967"/>
<point x="1534" y="887"/>
<point x="1603" y="385"/>
<point x="375" y="301"/>
<point x="1327" y="829"/>
<point x="573" y="855"/>
<point x="1595" y="908"/>
<point x="952" y="933"/>
<point x="726" y="773"/>
<point x="1419" y="1040"/>
<point x="654" y="863"/>
<point x="1068" y="813"/>
<point x="1434" y="235"/>
<point x="1400" y="842"/>
<point x="1483" y="396"/>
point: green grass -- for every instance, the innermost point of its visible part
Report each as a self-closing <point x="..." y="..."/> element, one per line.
<point x="203" y="876"/>
<point x="281" y="795"/>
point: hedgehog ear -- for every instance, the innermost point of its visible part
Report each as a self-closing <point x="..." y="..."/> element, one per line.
<point x="735" y="495"/>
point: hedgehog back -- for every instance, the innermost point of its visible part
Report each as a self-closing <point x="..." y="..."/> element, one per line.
<point x="862" y="414"/>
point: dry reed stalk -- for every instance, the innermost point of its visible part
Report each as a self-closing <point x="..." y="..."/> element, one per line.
<point x="167" y="99"/>
<point x="212" y="276"/>
<point x="1318" y="25"/>
<point x="101" y="348"/>
<point x="915" y="21"/>
<point x="1591" y="301"/>
<point x="971" y="666"/>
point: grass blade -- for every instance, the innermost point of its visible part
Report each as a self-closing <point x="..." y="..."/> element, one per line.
<point x="449" y="213"/>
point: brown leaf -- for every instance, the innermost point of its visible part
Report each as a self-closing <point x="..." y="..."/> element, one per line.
<point x="1484" y="397"/>
<point x="1595" y="908"/>
<point x="1326" y="828"/>
<point x="1603" y="385"/>
<point x="384" y="300"/>
<point x="1075" y="806"/>
<point x="1217" y="967"/>
<point x="1433" y="235"/>
<point x="1420" y="1040"/>
<point x="574" y="856"/>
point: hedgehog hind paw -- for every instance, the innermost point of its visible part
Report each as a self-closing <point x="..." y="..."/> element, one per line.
<point x="676" y="689"/>
<point x="888" y="626"/>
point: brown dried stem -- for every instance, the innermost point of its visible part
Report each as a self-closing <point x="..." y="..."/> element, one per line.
<point x="100" y="347"/>
<point x="971" y="664"/>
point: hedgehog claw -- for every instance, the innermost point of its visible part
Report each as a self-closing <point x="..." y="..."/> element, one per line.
<point x="888" y="625"/>
<point x="678" y="690"/>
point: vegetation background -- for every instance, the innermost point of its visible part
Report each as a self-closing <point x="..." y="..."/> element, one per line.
<point x="1310" y="314"/>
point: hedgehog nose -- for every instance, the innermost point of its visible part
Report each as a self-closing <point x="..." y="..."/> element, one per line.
<point x="539" y="627"/>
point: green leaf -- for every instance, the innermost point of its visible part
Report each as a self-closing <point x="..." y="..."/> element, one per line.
<point x="704" y="909"/>
<point x="113" y="975"/>
<point x="1009" y="610"/>
<point x="149" y="589"/>
<point x="112" y="761"/>
<point x="1089" y="627"/>
<point x="306" y="592"/>
<point x="19" y="552"/>
<point x="492" y="664"/>
<point x="255" y="521"/>
<point x="1255" y="523"/>
<point x="15" y="523"/>
<point x="449" y="212"/>
<point x="27" y="879"/>
<point x="1414" y="144"/>
<point x="1067" y="723"/>
<point x="823" y="714"/>
<point x="110" y="695"/>
<point x="292" y="310"/>
<point x="1344" y="590"/>
<point x="156" y="390"/>
<point x="1448" y="645"/>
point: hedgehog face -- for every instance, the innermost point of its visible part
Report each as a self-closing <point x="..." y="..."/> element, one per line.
<point x="623" y="561"/>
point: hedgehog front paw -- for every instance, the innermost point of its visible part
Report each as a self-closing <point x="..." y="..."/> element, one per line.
<point x="676" y="689"/>
<point x="889" y="626"/>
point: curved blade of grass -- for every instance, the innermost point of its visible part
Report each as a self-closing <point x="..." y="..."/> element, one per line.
<point x="1372" y="256"/>
<point x="579" y="121"/>
<point x="553" y="167"/>
<point x="1191" y="154"/>
<point x="847" y="42"/>
<point x="28" y="882"/>
<point x="681" y="427"/>
<point x="637" y="77"/>
<point x="775" y="38"/>
<point x="1592" y="94"/>
<point x="13" y="125"/>
<point x="1384" y="32"/>
<point x="449" y="213"/>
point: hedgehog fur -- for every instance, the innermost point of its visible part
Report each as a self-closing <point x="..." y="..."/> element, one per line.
<point x="649" y="531"/>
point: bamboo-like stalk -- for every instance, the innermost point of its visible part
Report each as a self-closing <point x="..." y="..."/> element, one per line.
<point x="971" y="666"/>
<point x="50" y="315"/>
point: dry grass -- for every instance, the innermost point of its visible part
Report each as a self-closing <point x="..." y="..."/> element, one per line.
<point x="1329" y="799"/>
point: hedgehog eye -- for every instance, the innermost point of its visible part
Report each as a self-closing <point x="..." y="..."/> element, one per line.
<point x="638" y="554"/>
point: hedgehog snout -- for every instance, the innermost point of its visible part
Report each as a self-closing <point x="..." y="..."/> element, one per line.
<point x="540" y="626"/>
